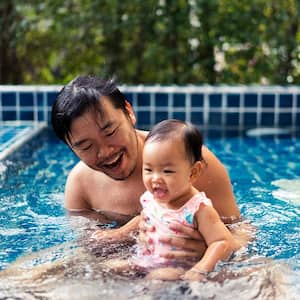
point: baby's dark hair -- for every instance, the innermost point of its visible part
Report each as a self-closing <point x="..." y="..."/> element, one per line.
<point x="174" y="129"/>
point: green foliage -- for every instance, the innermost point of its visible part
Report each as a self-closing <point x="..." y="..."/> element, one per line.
<point x="153" y="41"/>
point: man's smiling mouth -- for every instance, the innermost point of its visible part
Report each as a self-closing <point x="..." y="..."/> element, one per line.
<point x="113" y="164"/>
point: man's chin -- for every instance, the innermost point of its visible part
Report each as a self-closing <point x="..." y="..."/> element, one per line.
<point x="118" y="177"/>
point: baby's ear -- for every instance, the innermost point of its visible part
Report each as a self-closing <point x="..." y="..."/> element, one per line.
<point x="195" y="171"/>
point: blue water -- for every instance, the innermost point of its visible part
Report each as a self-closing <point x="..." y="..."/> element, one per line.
<point x="32" y="184"/>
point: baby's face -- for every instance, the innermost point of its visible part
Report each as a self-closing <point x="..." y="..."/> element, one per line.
<point x="167" y="172"/>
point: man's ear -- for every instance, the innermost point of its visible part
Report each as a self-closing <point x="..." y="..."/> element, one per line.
<point x="130" y="112"/>
<point x="195" y="171"/>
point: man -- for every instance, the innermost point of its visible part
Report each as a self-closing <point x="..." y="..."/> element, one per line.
<point x="97" y="122"/>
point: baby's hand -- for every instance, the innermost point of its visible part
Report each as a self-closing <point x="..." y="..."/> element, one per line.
<point x="110" y="234"/>
<point x="194" y="275"/>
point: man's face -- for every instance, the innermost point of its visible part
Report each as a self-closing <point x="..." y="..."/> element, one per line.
<point x="106" y="141"/>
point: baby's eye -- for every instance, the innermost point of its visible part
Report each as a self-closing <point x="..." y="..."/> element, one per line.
<point x="169" y="171"/>
<point x="148" y="170"/>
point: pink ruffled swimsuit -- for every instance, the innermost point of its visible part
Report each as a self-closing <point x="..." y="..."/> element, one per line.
<point x="161" y="217"/>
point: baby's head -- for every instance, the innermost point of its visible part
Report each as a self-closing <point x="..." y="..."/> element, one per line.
<point x="172" y="161"/>
<point x="180" y="132"/>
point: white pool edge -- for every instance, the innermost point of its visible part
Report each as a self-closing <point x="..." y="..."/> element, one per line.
<point x="22" y="137"/>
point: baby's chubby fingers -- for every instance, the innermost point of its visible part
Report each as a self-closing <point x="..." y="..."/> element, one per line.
<point x="110" y="234"/>
<point x="99" y="234"/>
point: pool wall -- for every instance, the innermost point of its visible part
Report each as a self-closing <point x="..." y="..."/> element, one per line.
<point x="212" y="107"/>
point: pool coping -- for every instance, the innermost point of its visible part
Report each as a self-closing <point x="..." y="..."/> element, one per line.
<point x="22" y="136"/>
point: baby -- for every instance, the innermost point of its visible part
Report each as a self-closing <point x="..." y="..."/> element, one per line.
<point x="172" y="161"/>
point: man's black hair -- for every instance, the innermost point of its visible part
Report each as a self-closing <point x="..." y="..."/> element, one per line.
<point x="80" y="95"/>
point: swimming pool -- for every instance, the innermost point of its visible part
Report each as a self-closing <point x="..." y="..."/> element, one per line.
<point x="265" y="176"/>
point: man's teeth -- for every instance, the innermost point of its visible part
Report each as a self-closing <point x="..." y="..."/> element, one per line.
<point x="116" y="160"/>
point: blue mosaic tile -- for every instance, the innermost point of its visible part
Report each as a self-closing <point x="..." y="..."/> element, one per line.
<point x="40" y="99"/>
<point x="179" y="100"/>
<point x="215" y="100"/>
<point x="197" y="100"/>
<point x="161" y="115"/>
<point x="8" y="99"/>
<point x="51" y="96"/>
<point x="9" y="115"/>
<point x="215" y="118"/>
<point x="26" y="115"/>
<point x="285" y="100"/>
<point x="267" y="119"/>
<point x="161" y="99"/>
<point x="250" y="119"/>
<point x="268" y="100"/>
<point x="298" y="119"/>
<point x="143" y="117"/>
<point x="197" y="118"/>
<point x="26" y="99"/>
<point x="250" y="100"/>
<point x="233" y="100"/>
<point x="41" y="115"/>
<point x="143" y="99"/>
<point x="179" y="116"/>
<point x="285" y="119"/>
<point x="232" y="119"/>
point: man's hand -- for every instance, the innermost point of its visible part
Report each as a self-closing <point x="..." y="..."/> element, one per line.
<point x="194" y="275"/>
<point x="193" y="246"/>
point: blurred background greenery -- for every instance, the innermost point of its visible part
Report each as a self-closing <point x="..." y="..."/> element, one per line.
<point x="150" y="41"/>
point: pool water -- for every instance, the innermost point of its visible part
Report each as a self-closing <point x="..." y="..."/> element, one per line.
<point x="34" y="229"/>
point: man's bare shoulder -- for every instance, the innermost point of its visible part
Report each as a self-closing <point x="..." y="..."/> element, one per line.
<point x="79" y="185"/>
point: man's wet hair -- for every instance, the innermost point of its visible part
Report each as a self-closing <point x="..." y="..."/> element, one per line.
<point x="80" y="95"/>
<point x="177" y="129"/>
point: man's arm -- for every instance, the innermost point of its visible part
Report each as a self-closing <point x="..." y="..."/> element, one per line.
<point x="215" y="182"/>
<point x="75" y="194"/>
<point x="76" y="200"/>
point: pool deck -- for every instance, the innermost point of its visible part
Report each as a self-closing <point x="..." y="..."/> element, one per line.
<point x="14" y="134"/>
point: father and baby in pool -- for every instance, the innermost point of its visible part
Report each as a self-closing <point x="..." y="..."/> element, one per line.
<point x="166" y="184"/>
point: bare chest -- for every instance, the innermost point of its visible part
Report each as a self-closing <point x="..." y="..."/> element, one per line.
<point x="117" y="197"/>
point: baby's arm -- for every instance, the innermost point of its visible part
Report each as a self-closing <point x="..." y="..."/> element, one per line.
<point x="219" y="240"/>
<point x="118" y="233"/>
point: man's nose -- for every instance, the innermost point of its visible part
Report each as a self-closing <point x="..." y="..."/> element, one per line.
<point x="104" y="152"/>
